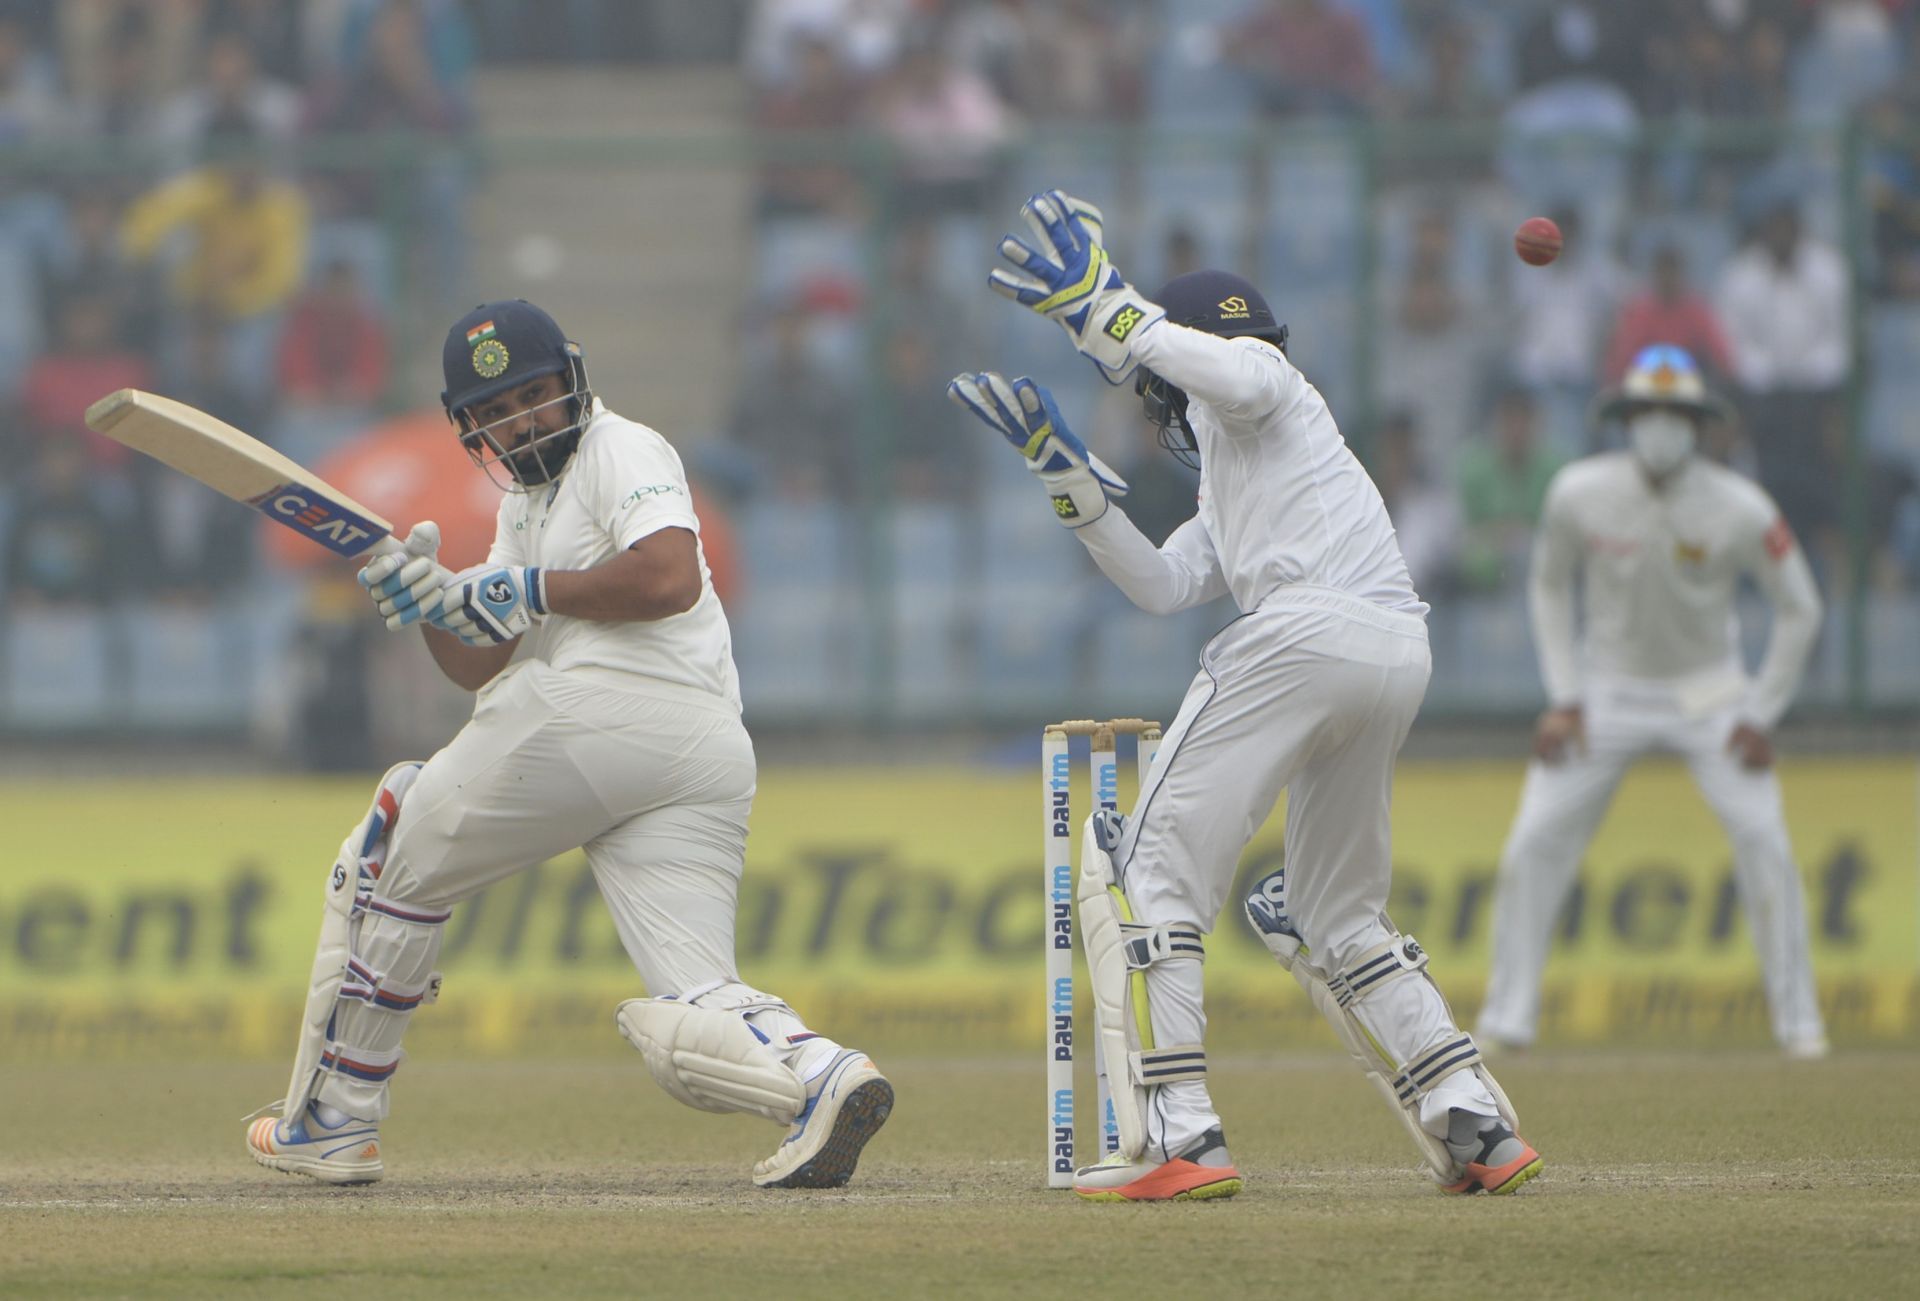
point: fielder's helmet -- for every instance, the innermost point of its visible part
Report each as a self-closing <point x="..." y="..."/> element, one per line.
<point x="1661" y="375"/>
<point x="1217" y="302"/>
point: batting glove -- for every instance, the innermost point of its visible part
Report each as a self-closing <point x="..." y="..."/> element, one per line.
<point x="1024" y="414"/>
<point x="490" y="604"/>
<point x="1066" y="277"/>
<point x="407" y="587"/>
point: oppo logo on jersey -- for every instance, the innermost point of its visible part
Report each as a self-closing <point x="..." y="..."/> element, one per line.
<point x="335" y="529"/>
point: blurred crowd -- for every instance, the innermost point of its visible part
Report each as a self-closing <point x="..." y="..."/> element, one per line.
<point x="1685" y="147"/>
<point x="178" y="212"/>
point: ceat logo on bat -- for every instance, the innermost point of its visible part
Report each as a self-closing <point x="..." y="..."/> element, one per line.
<point x="337" y="530"/>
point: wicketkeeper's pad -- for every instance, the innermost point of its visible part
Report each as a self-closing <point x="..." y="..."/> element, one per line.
<point x="704" y="1052"/>
<point x="1343" y="997"/>
<point x="1119" y="951"/>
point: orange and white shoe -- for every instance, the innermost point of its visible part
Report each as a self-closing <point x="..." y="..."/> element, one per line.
<point x="1200" y="1172"/>
<point x="347" y="1153"/>
<point x="1492" y="1158"/>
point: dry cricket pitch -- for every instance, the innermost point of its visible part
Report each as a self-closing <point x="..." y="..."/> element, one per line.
<point x="1667" y="1175"/>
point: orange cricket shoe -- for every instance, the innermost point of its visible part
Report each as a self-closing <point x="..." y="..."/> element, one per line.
<point x="1201" y="1172"/>
<point x="1493" y="1158"/>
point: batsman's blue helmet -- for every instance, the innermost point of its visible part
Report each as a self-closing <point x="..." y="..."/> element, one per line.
<point x="499" y="346"/>
<point x="1217" y="302"/>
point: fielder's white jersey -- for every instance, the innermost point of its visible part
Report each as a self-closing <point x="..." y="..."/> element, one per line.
<point x="624" y="483"/>
<point x="1660" y="569"/>
<point x="1283" y="502"/>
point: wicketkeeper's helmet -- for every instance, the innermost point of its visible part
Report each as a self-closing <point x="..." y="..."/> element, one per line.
<point x="1217" y="302"/>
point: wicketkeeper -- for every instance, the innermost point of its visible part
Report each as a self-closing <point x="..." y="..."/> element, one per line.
<point x="614" y="729"/>
<point x="1310" y="691"/>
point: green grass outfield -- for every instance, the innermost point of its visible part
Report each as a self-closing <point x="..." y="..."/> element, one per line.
<point x="1667" y="1175"/>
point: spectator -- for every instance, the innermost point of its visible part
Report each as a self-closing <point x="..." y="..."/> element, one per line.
<point x="59" y="540"/>
<point x="793" y="420"/>
<point x="947" y="122"/>
<point x="1084" y="62"/>
<point x="866" y="35"/>
<point x="245" y="234"/>
<point x="1451" y="86"/>
<point x="192" y="547"/>
<point x="87" y="361"/>
<point x="1669" y="311"/>
<point x="334" y="348"/>
<point x="89" y="259"/>
<point x="819" y="97"/>
<point x="1561" y="316"/>
<point x="29" y="103"/>
<point x="271" y="30"/>
<point x="230" y="94"/>
<point x="1892" y="182"/>
<point x="1502" y="486"/>
<point x="1426" y="516"/>
<point x="1303" y="57"/>
<point x="931" y="450"/>
<point x="1567" y="139"/>
<point x="123" y="58"/>
<point x="396" y="87"/>
<point x="1432" y="352"/>
<point x="1785" y="300"/>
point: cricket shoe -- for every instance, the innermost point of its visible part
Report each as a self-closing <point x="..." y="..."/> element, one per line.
<point x="1492" y="1158"/>
<point x="846" y="1105"/>
<point x="1814" y="1048"/>
<point x="1202" y="1171"/>
<point x="347" y="1153"/>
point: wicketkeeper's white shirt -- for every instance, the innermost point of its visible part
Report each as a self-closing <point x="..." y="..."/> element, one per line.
<point x="1283" y="501"/>
<point x="624" y="483"/>
<point x="1659" y="572"/>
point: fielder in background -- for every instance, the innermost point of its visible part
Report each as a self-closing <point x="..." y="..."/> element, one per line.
<point x="1310" y="691"/>
<point x="616" y="729"/>
<point x="1660" y="539"/>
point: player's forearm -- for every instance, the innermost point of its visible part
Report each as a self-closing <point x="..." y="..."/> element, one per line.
<point x="1153" y="579"/>
<point x="632" y="587"/>
<point x="1221" y="372"/>
<point x="1796" y="626"/>
<point x="467" y="667"/>
<point x="1550" y="610"/>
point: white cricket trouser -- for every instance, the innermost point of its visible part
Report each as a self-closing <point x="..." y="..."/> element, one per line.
<point x="654" y="781"/>
<point x="1560" y="809"/>
<point x="1312" y="694"/>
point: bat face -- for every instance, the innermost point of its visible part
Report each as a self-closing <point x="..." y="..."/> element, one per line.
<point x="241" y="467"/>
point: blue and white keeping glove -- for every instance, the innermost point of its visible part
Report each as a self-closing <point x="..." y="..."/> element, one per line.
<point x="406" y="587"/>
<point x="1065" y="276"/>
<point x="490" y="604"/>
<point x="1025" y="415"/>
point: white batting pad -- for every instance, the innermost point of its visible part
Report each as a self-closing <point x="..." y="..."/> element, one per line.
<point x="711" y="1059"/>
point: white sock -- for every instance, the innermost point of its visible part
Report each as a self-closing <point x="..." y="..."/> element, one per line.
<point x="331" y="1117"/>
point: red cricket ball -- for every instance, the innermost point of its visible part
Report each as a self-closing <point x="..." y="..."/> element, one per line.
<point x="1537" y="241"/>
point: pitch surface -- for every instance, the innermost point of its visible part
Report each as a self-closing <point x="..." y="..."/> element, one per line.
<point x="1668" y="1175"/>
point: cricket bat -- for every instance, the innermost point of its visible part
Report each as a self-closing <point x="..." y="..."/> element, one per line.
<point x="241" y="467"/>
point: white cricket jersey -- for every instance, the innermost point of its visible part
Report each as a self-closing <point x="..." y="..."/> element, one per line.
<point x="1283" y="501"/>
<point x="624" y="483"/>
<point x="1659" y="570"/>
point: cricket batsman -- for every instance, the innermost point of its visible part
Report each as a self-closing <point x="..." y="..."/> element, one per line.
<point x="607" y="718"/>
<point x="1659" y="538"/>
<point x="1310" y="690"/>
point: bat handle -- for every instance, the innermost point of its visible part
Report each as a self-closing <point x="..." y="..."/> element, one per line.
<point x="387" y="546"/>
